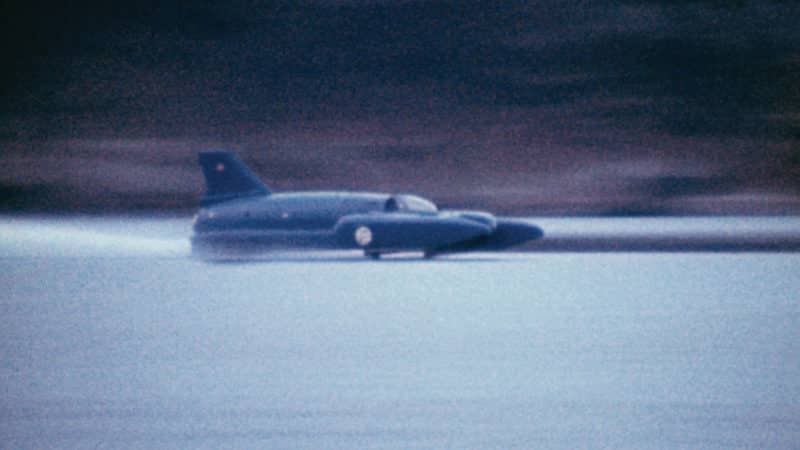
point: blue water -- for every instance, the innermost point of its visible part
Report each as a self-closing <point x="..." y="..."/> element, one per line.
<point x="113" y="338"/>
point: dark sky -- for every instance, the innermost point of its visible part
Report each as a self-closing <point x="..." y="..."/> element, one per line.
<point x="558" y="106"/>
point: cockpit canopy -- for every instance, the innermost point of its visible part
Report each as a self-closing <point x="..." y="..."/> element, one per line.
<point x="410" y="203"/>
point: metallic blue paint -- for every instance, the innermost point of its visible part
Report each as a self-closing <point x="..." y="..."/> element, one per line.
<point x="240" y="216"/>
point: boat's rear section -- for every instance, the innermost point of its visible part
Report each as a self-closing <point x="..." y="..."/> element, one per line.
<point x="249" y="243"/>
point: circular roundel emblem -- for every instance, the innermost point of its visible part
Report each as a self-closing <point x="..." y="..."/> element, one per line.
<point x="363" y="236"/>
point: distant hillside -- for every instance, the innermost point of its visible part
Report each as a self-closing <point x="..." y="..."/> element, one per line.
<point x="636" y="107"/>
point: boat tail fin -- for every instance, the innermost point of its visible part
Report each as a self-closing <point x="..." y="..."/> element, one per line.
<point x="228" y="178"/>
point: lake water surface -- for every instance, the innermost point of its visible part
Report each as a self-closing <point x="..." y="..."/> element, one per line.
<point x="128" y="343"/>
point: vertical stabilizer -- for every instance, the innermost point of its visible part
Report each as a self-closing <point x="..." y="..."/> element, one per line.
<point x="228" y="178"/>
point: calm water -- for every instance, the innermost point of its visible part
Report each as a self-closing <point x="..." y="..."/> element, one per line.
<point x="113" y="338"/>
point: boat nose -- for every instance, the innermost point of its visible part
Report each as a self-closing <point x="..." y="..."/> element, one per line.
<point x="534" y="232"/>
<point x="521" y="230"/>
<point x="512" y="232"/>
